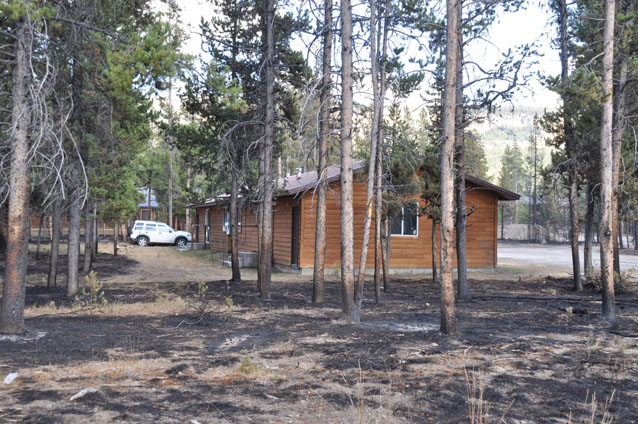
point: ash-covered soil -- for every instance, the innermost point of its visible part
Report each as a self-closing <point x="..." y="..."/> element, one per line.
<point x="178" y="343"/>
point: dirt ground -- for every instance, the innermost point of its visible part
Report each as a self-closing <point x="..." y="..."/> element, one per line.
<point x="178" y="343"/>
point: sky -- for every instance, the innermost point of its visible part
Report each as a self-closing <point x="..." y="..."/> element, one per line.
<point x="533" y="24"/>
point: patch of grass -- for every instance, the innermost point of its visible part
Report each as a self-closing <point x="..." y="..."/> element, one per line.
<point x="92" y="295"/>
<point x="478" y="407"/>
<point x="162" y="306"/>
<point x="248" y="367"/>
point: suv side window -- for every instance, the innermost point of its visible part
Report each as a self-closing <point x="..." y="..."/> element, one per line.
<point x="151" y="227"/>
<point x="163" y="228"/>
<point x="139" y="227"/>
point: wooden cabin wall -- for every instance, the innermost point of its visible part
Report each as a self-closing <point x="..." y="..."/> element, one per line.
<point x="282" y="234"/>
<point x="406" y="251"/>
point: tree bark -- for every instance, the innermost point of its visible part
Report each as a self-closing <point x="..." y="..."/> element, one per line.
<point x="265" y="258"/>
<point x="88" y="239"/>
<point x="463" y="291"/>
<point x="13" y="294"/>
<point x="606" y="169"/>
<point x="378" y="225"/>
<point x="589" y="229"/>
<point x="171" y="159"/>
<point x="448" y="320"/>
<point x="347" y="212"/>
<point x="116" y="234"/>
<point x="188" y="210"/>
<point x="385" y="255"/>
<point x="56" y="224"/>
<point x="378" y="208"/>
<point x="234" y="219"/>
<point x="96" y="231"/>
<point x="434" y="264"/>
<point x="575" y="228"/>
<point x="617" y="137"/>
<point x="374" y="133"/>
<point x="73" y="250"/>
<point x="37" y="249"/>
<point x="635" y="235"/>
<point x="570" y="147"/>
<point x="318" y="277"/>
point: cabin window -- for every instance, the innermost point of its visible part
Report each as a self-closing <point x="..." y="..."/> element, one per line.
<point x="407" y="223"/>
<point x="226" y="226"/>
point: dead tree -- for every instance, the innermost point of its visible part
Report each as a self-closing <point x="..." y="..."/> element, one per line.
<point x="56" y="224"/>
<point x="606" y="168"/>
<point x="347" y="212"/>
<point x="322" y="146"/>
<point x="448" y="320"/>
<point x="374" y="133"/>
<point x="265" y="254"/>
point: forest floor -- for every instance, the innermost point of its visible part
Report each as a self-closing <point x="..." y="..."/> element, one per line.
<point x="178" y="343"/>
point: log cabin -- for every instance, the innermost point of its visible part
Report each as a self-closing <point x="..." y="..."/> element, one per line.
<point x="295" y="216"/>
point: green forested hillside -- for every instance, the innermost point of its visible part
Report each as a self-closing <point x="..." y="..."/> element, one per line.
<point x="504" y="128"/>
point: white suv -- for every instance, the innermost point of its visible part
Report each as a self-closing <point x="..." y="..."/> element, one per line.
<point x="146" y="232"/>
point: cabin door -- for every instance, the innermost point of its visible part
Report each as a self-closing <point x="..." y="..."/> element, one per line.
<point x="294" y="254"/>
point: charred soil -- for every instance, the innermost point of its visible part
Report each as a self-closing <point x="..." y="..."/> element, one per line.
<point x="177" y="342"/>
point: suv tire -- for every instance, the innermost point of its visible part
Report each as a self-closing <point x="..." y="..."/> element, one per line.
<point x="142" y="241"/>
<point x="181" y="242"/>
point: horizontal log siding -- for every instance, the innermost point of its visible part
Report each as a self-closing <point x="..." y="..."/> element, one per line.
<point x="282" y="236"/>
<point x="218" y="238"/>
<point x="406" y="251"/>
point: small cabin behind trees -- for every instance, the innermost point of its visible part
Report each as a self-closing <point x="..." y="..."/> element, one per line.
<point x="295" y="216"/>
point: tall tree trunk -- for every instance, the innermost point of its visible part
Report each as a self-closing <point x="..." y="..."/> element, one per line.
<point x="56" y="230"/>
<point x="570" y="146"/>
<point x="535" y="193"/>
<point x="88" y="239"/>
<point x="617" y="137"/>
<point x="347" y="212"/>
<point x="385" y="252"/>
<point x="463" y="291"/>
<point x="171" y="155"/>
<point x="434" y="264"/>
<point x="448" y="320"/>
<point x="171" y="189"/>
<point x="575" y="228"/>
<point x="116" y="231"/>
<point x="73" y="249"/>
<point x="635" y="235"/>
<point x="502" y="222"/>
<point x="188" y="210"/>
<point x="234" y="219"/>
<point x="318" y="278"/>
<point x="374" y="133"/>
<point x="96" y="231"/>
<point x="13" y="294"/>
<point x="148" y="200"/>
<point x="265" y="258"/>
<point x="37" y="249"/>
<point x="378" y="225"/>
<point x="378" y="209"/>
<point x="606" y="169"/>
<point x="589" y="229"/>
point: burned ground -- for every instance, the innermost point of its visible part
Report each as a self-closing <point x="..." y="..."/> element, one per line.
<point x="526" y="351"/>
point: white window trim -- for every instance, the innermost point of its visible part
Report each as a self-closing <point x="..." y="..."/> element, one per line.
<point x="402" y="224"/>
